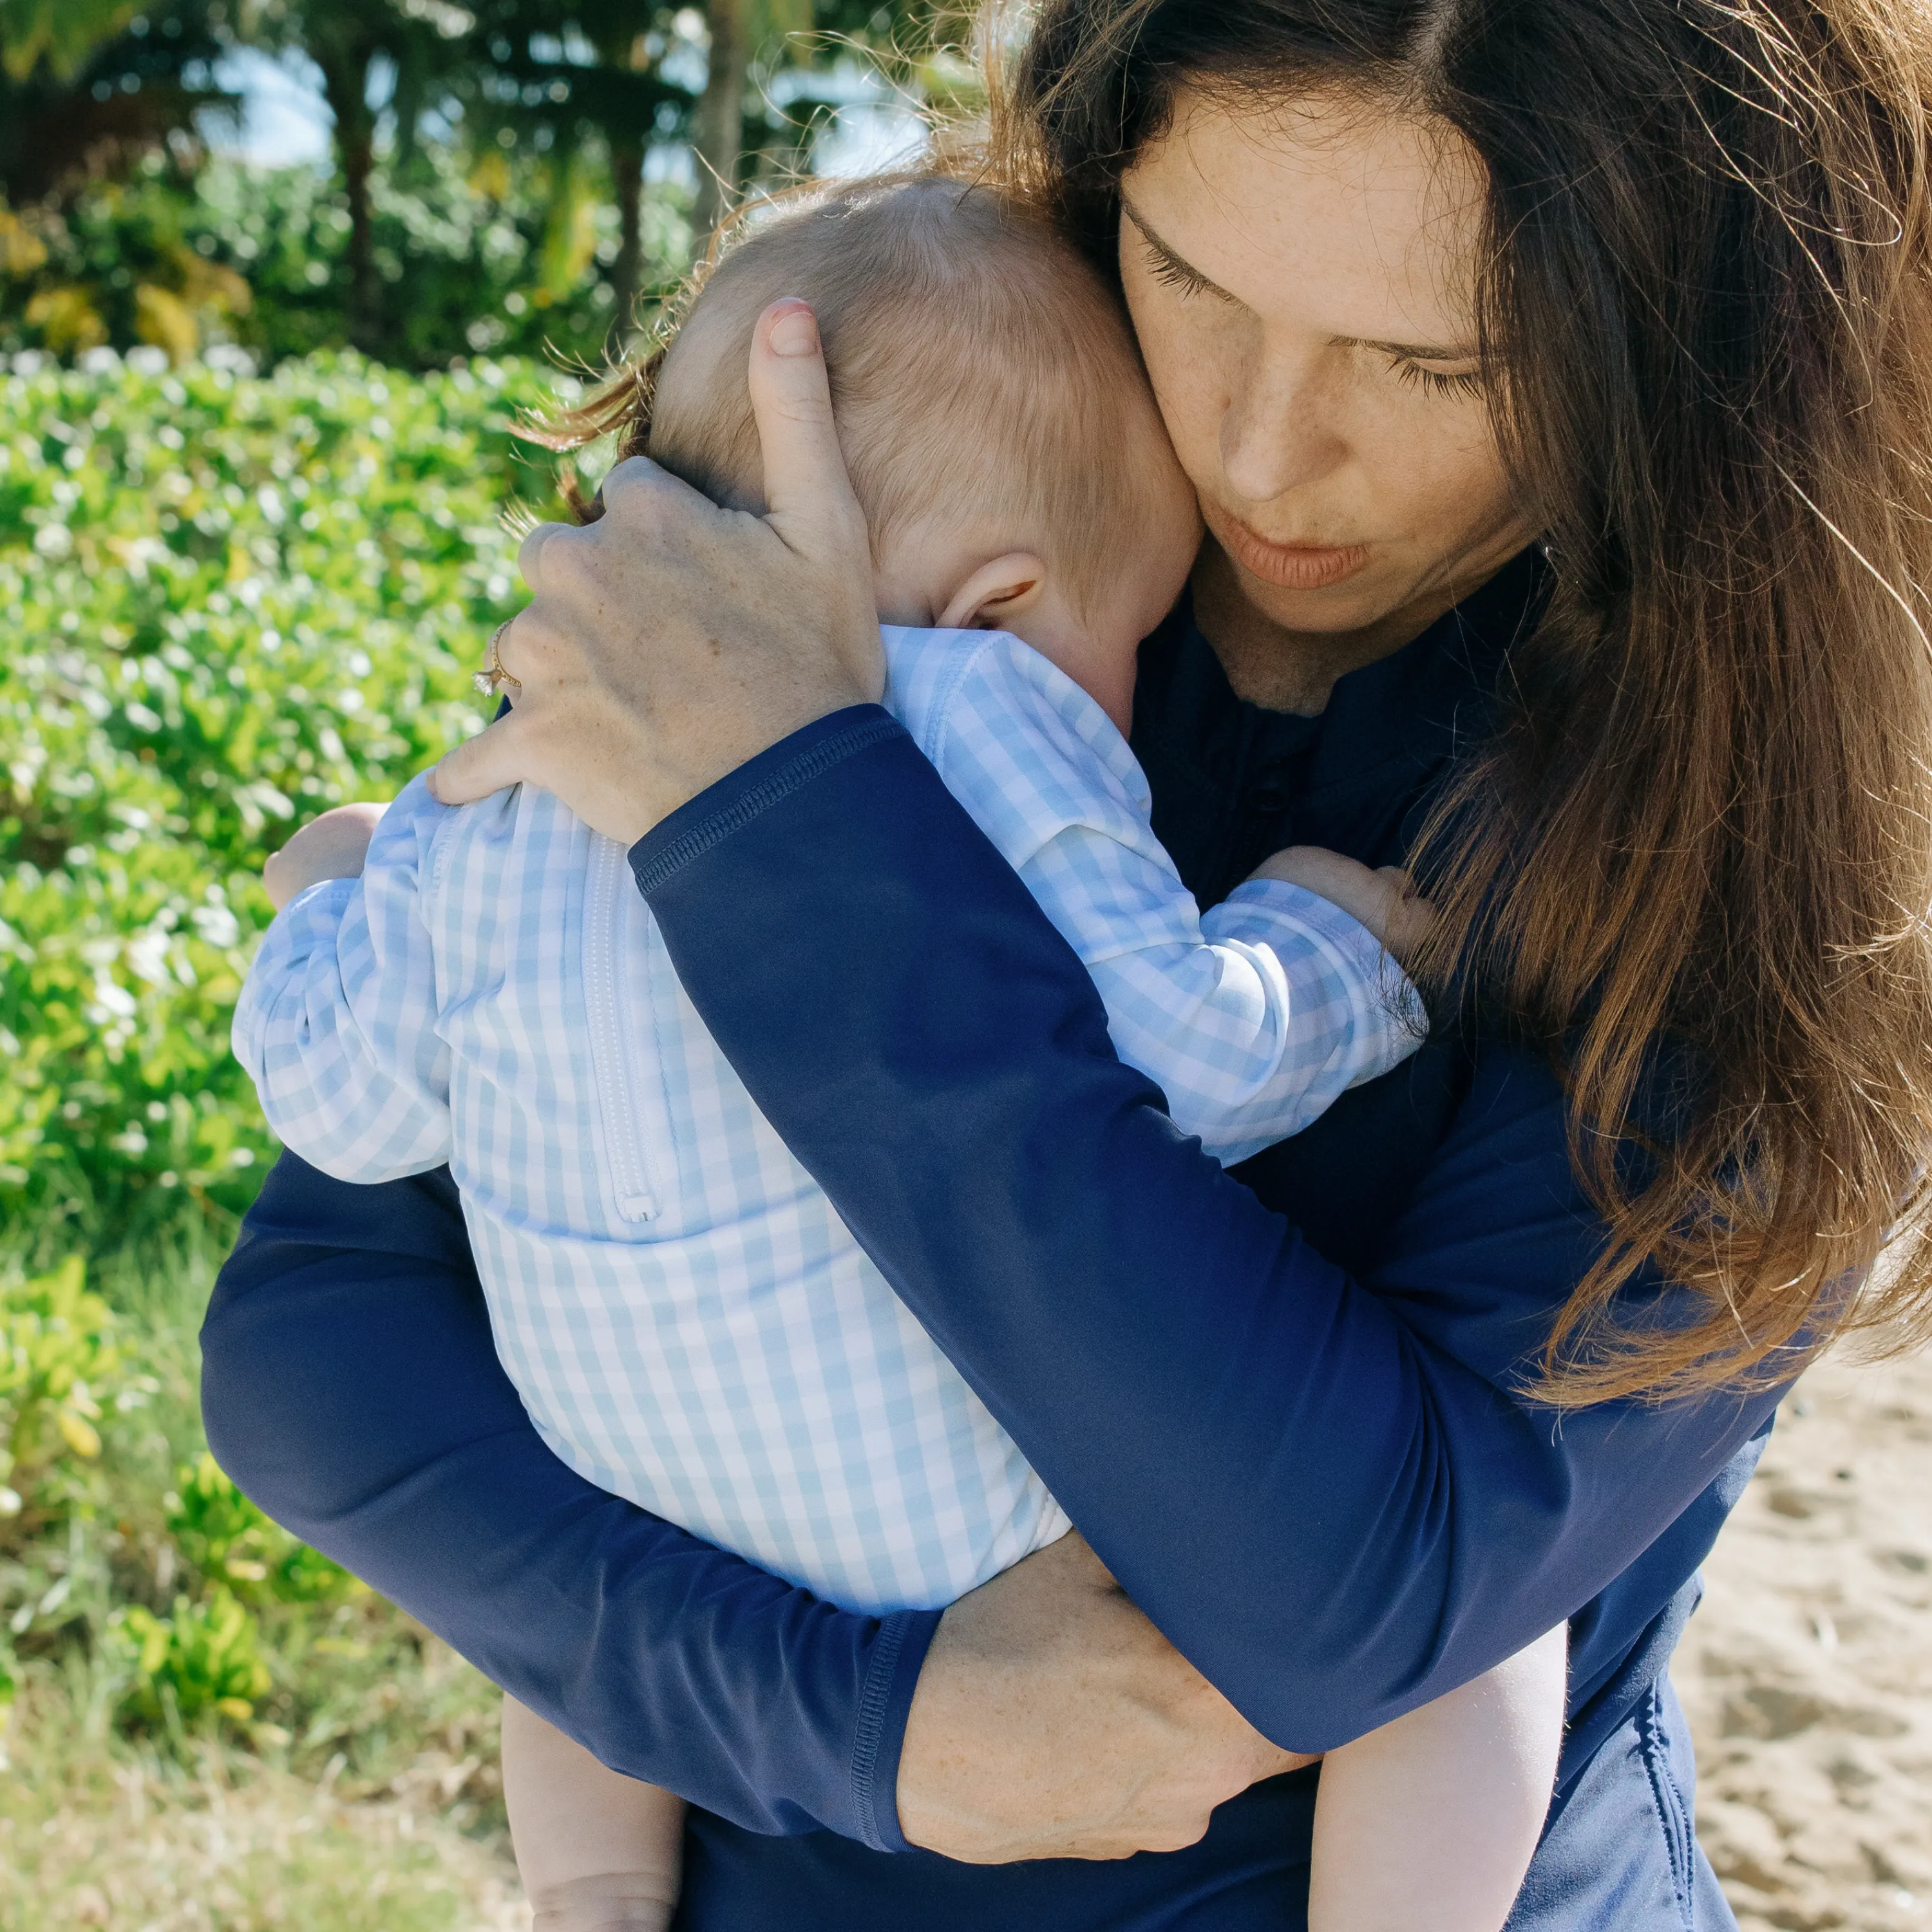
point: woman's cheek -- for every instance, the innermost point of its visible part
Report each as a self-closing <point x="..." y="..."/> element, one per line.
<point x="1470" y="480"/>
<point x="1435" y="464"/>
<point x="1191" y="397"/>
<point x="1164" y="336"/>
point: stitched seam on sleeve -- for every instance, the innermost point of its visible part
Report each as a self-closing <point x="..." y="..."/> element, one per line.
<point x="439" y="841"/>
<point x="872" y="1701"/>
<point x="711" y="831"/>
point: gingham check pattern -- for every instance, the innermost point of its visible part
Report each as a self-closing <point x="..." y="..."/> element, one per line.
<point x="688" y="1320"/>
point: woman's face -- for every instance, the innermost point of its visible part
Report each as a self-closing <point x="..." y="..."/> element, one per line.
<point x="1301" y="283"/>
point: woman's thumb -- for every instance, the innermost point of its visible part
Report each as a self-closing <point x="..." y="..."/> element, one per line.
<point x="808" y="497"/>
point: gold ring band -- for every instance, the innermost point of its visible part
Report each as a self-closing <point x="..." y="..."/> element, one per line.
<point x="493" y="676"/>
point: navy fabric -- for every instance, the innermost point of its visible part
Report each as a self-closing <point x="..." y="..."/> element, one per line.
<point x="1185" y="1369"/>
<point x="350" y="1385"/>
<point x="1248" y="1874"/>
<point x="1620" y="1848"/>
<point x="1282" y="1415"/>
<point x="1619" y="1852"/>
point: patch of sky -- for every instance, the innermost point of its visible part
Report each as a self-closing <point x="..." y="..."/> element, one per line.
<point x="873" y="125"/>
<point x="284" y="121"/>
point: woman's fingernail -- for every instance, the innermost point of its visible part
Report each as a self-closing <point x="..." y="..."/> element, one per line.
<point x="795" y="332"/>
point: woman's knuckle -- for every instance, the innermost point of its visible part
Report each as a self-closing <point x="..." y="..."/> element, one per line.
<point x="624" y="479"/>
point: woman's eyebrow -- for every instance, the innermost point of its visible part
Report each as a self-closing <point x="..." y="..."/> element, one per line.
<point x="1178" y="263"/>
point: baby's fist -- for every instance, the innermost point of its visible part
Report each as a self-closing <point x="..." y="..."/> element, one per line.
<point x="331" y="846"/>
<point x="1385" y="900"/>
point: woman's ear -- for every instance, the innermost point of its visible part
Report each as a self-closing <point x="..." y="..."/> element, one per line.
<point x="995" y="594"/>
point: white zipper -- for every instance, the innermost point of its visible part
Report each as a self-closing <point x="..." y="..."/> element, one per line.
<point x="607" y="978"/>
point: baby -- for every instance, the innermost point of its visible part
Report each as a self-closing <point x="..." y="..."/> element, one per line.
<point x="688" y="1322"/>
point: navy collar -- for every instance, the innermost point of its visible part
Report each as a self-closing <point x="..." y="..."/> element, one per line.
<point x="1233" y="782"/>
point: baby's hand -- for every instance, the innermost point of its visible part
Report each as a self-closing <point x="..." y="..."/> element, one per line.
<point x="331" y="846"/>
<point x="1385" y="901"/>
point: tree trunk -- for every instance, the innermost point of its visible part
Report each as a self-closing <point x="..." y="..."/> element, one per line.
<point x="345" y="84"/>
<point x="721" y="117"/>
<point x="627" y="166"/>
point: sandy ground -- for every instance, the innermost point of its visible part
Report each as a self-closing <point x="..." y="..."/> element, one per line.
<point x="1807" y="1673"/>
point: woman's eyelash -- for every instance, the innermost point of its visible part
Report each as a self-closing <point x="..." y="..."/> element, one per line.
<point x="1177" y="274"/>
<point x="1464" y="383"/>
<point x="1174" y="274"/>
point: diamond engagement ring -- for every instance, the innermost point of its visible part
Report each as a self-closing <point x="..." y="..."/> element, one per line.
<point x="493" y="676"/>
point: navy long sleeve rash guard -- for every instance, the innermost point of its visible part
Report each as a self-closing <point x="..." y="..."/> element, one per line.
<point x="1280" y="1411"/>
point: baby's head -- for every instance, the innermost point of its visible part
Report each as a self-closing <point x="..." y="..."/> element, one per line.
<point x="999" y="429"/>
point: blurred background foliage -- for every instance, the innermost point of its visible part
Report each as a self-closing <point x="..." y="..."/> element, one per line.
<point x="258" y="458"/>
<point x="508" y="176"/>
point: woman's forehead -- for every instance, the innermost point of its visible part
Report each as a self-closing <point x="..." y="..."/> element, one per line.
<point x="1326" y="210"/>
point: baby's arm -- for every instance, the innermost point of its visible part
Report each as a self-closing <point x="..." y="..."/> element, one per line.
<point x="335" y="846"/>
<point x="598" y="1852"/>
<point x="1254" y="1019"/>
<point x="1430" y="1821"/>
<point x="336" y="1024"/>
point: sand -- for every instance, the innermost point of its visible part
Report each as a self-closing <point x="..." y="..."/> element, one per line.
<point x="1807" y="1673"/>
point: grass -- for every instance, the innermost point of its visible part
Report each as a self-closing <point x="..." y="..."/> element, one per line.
<point x="235" y="602"/>
<point x="358" y="1789"/>
<point x="97" y="1830"/>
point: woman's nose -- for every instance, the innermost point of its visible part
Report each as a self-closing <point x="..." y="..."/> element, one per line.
<point x="1279" y="429"/>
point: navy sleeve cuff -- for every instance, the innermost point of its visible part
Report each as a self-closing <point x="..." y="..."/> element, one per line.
<point x="904" y="1638"/>
<point x="741" y="796"/>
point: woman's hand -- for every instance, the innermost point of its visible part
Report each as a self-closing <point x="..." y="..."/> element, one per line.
<point x="671" y="640"/>
<point x="1051" y="1720"/>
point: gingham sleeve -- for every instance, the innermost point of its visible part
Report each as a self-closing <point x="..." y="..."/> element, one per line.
<point x="336" y="1024"/>
<point x="1254" y="1019"/>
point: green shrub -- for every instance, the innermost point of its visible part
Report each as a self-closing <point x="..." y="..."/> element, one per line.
<point x="58" y="1364"/>
<point x="203" y="1661"/>
<point x="230" y="604"/>
<point x="225" y="1537"/>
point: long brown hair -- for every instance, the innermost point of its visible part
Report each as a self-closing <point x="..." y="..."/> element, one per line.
<point x="1695" y="861"/>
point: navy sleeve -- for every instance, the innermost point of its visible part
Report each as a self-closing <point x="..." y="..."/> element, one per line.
<point x="350" y="1386"/>
<point x="1322" y="1489"/>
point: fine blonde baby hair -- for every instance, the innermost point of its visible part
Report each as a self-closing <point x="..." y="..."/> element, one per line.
<point x="979" y="365"/>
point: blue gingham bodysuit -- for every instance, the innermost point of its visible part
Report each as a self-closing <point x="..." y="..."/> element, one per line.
<point x="689" y="1322"/>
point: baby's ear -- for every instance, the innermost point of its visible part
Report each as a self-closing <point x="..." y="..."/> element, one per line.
<point x="999" y="591"/>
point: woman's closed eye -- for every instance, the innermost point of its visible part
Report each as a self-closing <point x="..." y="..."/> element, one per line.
<point x="1170" y="271"/>
<point x="1464" y="383"/>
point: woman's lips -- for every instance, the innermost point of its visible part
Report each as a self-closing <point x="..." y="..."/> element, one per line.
<point x="1291" y="566"/>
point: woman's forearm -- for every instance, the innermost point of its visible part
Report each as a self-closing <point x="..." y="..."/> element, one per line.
<point x="1318" y="1487"/>
<point x="351" y="1387"/>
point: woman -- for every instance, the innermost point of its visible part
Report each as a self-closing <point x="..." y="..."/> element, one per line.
<point x="1495" y="1343"/>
